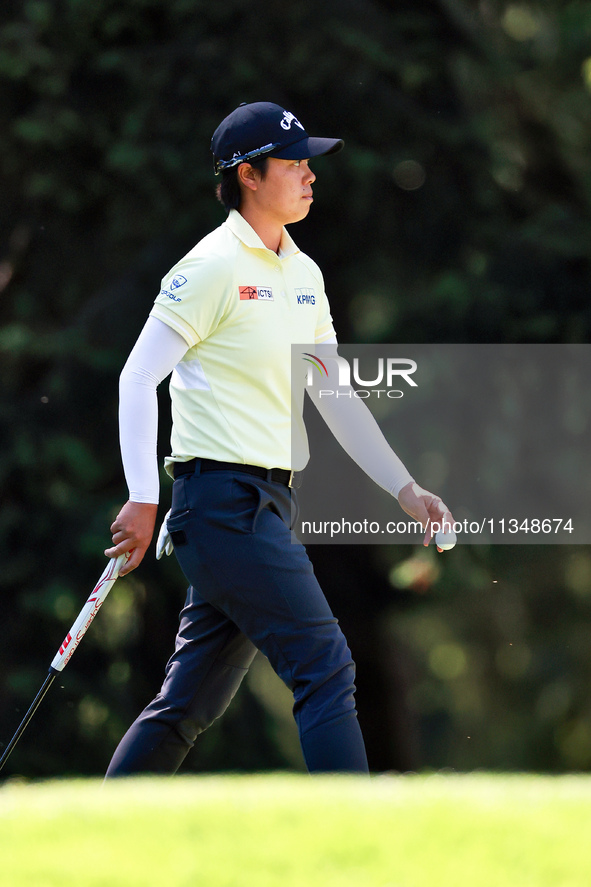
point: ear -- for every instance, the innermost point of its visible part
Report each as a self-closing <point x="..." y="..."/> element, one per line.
<point x="248" y="177"/>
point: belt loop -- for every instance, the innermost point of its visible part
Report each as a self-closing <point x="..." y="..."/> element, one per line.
<point x="269" y="477"/>
<point x="197" y="471"/>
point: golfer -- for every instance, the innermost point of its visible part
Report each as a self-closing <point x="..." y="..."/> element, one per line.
<point x="223" y="324"/>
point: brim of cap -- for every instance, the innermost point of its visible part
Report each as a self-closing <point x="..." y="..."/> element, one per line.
<point x="308" y="147"/>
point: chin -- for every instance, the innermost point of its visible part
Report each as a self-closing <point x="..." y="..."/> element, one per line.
<point x="304" y="212"/>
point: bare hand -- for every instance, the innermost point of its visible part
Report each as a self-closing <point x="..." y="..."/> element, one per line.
<point x="132" y="530"/>
<point x="426" y="508"/>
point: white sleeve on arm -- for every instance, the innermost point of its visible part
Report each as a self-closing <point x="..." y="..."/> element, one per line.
<point x="155" y="354"/>
<point x="355" y="428"/>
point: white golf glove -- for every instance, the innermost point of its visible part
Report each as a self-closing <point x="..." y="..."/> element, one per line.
<point x="164" y="543"/>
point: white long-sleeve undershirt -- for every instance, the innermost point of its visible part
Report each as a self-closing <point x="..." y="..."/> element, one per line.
<point x="154" y="356"/>
<point x="355" y="428"/>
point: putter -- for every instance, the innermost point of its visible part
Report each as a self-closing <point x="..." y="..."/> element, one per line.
<point x="70" y="642"/>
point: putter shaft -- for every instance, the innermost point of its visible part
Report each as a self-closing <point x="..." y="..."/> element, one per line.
<point x="32" y="709"/>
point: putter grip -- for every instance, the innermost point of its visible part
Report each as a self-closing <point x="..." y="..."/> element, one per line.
<point x="87" y="613"/>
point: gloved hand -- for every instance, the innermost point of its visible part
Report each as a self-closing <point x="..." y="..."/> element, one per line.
<point x="164" y="543"/>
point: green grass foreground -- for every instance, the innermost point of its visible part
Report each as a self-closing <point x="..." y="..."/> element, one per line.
<point x="292" y="831"/>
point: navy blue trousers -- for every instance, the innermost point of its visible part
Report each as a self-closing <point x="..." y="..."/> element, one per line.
<point x="251" y="586"/>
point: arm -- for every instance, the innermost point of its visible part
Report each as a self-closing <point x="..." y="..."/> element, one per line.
<point x="360" y="436"/>
<point x="155" y="354"/>
<point x="355" y="428"/>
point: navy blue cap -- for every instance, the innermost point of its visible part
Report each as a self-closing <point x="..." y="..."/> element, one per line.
<point x="264" y="129"/>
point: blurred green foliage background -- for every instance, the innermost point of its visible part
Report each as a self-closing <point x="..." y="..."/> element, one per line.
<point x="460" y="211"/>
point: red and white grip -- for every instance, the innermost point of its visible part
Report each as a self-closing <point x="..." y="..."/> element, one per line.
<point x="88" y="612"/>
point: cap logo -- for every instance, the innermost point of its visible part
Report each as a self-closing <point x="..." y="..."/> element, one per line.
<point x="288" y="119"/>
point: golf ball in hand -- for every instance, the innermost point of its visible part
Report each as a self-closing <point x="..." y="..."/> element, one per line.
<point x="445" y="541"/>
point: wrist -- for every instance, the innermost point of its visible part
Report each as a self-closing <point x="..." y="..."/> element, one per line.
<point x="403" y="485"/>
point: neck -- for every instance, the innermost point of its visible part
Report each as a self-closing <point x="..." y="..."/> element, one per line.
<point x="268" y="230"/>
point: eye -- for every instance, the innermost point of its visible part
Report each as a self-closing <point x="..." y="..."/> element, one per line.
<point x="297" y="162"/>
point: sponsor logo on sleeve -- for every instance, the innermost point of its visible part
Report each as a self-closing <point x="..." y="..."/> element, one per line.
<point x="177" y="281"/>
<point x="261" y="293"/>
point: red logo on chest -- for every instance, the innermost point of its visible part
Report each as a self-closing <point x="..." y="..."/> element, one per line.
<point x="264" y="293"/>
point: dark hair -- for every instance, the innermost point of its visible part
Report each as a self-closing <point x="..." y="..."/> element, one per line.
<point x="228" y="191"/>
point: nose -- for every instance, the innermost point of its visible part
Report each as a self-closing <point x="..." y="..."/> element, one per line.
<point x="309" y="176"/>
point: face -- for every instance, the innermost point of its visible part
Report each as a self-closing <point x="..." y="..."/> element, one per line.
<point x="285" y="193"/>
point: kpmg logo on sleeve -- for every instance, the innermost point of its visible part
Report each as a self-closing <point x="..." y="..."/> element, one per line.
<point x="336" y="371"/>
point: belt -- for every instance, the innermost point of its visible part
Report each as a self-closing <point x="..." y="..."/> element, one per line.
<point x="291" y="479"/>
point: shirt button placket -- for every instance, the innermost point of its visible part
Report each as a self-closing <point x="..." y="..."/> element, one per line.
<point x="283" y="291"/>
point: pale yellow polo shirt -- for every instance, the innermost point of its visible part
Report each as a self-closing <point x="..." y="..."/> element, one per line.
<point x="240" y="307"/>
